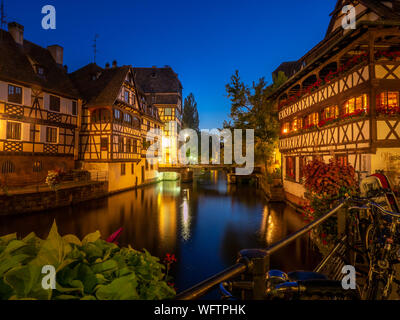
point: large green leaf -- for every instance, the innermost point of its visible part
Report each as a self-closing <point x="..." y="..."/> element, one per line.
<point x="91" y="237"/>
<point x="123" y="288"/>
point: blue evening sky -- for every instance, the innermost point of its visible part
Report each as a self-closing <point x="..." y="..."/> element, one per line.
<point x="203" y="41"/>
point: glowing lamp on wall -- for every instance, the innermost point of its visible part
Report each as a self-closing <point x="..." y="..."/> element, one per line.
<point x="285" y="131"/>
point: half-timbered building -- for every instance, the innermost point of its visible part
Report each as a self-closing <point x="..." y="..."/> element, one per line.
<point x="163" y="89"/>
<point x="342" y="98"/>
<point x="113" y="129"/>
<point x="39" y="110"/>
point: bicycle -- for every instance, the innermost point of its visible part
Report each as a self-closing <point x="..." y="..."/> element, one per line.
<point x="298" y="285"/>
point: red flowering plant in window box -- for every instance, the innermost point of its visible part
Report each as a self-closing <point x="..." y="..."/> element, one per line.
<point x="326" y="184"/>
<point x="356" y="113"/>
<point x="327" y="121"/>
<point x="388" y="110"/>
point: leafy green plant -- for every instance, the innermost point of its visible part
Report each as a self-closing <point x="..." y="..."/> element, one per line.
<point x="91" y="269"/>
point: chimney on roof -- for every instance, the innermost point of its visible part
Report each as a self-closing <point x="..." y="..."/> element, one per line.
<point x="107" y="65"/>
<point x="17" y="32"/>
<point x="57" y="52"/>
<point x="114" y="64"/>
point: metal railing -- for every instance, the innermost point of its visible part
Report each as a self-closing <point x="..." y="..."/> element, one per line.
<point x="255" y="263"/>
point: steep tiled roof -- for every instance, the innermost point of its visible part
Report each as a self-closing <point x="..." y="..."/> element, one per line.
<point x="99" y="87"/>
<point x="16" y="64"/>
<point x="288" y="68"/>
<point x="158" y="80"/>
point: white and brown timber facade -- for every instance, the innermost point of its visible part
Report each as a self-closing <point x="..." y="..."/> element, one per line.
<point x="115" y="120"/>
<point x="39" y="110"/>
<point x="342" y="98"/>
<point x="163" y="89"/>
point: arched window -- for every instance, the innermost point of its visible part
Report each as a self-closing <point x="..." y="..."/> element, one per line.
<point x="7" y="167"/>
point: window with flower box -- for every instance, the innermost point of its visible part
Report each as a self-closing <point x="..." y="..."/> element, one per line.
<point x="330" y="113"/>
<point x="297" y="124"/>
<point x="291" y="168"/>
<point x="311" y="120"/>
<point x="355" y="106"/>
<point x="387" y="102"/>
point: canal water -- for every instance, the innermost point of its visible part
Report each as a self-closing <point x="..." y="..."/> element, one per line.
<point x="205" y="224"/>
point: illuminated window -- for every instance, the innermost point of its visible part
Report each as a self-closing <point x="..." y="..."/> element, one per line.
<point x="349" y="106"/>
<point x="297" y="124"/>
<point x="286" y="128"/>
<point x="362" y="102"/>
<point x="356" y="104"/>
<point x="331" y="112"/>
<point x="312" y="119"/>
<point x="388" y="100"/>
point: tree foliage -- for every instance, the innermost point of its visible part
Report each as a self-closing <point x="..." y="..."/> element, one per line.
<point x="190" y="117"/>
<point x="252" y="108"/>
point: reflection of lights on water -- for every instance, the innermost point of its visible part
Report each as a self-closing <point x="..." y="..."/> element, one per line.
<point x="185" y="215"/>
<point x="268" y="226"/>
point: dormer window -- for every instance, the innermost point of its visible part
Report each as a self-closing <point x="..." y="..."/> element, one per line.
<point x="40" y="71"/>
<point x="126" y="96"/>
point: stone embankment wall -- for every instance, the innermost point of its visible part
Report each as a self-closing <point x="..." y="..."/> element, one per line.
<point x="48" y="199"/>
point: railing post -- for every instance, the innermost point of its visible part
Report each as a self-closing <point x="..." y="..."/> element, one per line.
<point x="341" y="221"/>
<point x="258" y="267"/>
